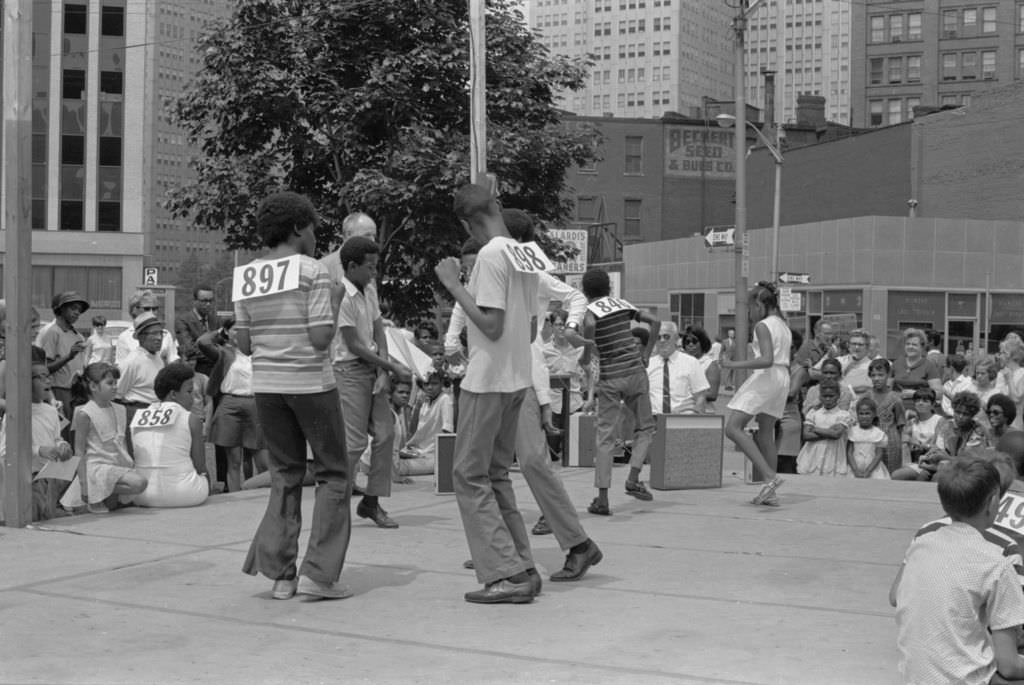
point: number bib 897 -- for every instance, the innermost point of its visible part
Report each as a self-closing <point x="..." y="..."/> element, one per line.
<point x="609" y="305"/>
<point x="528" y="258"/>
<point x="261" y="278"/>
<point x="156" y="416"/>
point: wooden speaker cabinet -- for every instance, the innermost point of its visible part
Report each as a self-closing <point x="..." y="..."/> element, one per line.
<point x="687" y="451"/>
<point x="444" y="462"/>
<point x="582" y="448"/>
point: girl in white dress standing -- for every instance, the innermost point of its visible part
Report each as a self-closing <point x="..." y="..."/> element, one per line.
<point x="763" y="395"/>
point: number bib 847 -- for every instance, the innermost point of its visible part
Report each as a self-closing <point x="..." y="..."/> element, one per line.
<point x="528" y="258"/>
<point x="608" y="305"/>
<point x="261" y="278"/>
<point x="157" y="416"/>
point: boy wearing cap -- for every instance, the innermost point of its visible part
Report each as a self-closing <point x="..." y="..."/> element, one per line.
<point x="63" y="344"/>
<point x="135" y="388"/>
<point x="143" y="301"/>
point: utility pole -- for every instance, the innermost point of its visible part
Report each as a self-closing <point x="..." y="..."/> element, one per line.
<point x="742" y="263"/>
<point x="478" y="93"/>
<point x="17" y="212"/>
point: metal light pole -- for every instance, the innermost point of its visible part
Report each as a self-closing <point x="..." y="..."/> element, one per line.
<point x="478" y="93"/>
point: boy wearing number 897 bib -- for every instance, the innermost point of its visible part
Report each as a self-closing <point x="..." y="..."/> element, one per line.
<point x="168" y="439"/>
<point x="622" y="378"/>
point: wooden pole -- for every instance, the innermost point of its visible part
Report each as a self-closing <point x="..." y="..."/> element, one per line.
<point x="17" y="206"/>
<point x="478" y="93"/>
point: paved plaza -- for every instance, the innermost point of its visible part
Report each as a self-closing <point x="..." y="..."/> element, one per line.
<point x="697" y="586"/>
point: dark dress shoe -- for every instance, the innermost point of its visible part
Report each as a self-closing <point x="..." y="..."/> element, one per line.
<point x="502" y="592"/>
<point x="536" y="584"/>
<point x="577" y="564"/>
<point x="377" y="515"/>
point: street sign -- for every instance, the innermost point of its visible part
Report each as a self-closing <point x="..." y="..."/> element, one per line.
<point x="790" y="277"/>
<point x="150" y="276"/>
<point x="790" y="301"/>
<point x="719" y="236"/>
<point x="578" y="238"/>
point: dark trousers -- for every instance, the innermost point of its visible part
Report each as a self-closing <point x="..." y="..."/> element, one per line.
<point x="289" y="421"/>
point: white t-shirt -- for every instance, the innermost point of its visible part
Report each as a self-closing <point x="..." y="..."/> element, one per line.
<point x="359" y="310"/>
<point x="502" y="365"/>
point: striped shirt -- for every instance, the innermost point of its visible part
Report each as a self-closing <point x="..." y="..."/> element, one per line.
<point x="283" y="359"/>
<point x="616" y="346"/>
<point x="999" y="536"/>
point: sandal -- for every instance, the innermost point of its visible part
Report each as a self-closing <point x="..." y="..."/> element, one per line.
<point x="600" y="508"/>
<point x="768" y="490"/>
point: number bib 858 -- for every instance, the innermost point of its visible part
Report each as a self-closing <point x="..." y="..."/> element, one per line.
<point x="265" y="278"/>
<point x="608" y="305"/>
<point x="528" y="258"/>
<point x="156" y="416"/>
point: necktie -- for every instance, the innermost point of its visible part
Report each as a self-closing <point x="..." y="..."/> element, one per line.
<point x="666" y="390"/>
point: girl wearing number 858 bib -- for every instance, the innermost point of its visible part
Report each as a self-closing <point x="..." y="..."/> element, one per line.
<point x="99" y="427"/>
<point x="764" y="394"/>
<point x="168" y="443"/>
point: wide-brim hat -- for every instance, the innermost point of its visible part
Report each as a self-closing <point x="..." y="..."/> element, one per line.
<point x="69" y="297"/>
<point x="145" y="321"/>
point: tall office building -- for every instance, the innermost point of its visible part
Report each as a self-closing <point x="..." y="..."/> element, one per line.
<point x="931" y="52"/>
<point x="807" y="43"/>
<point x="651" y="56"/>
<point x="102" y="148"/>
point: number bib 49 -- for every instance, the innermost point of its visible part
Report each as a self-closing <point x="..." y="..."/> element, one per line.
<point x="608" y="305"/>
<point x="156" y="416"/>
<point x="528" y="258"/>
<point x="265" y="278"/>
<point x="1011" y="513"/>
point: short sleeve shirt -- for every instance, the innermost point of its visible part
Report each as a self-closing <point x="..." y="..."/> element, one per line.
<point x="57" y="342"/>
<point x="358" y="310"/>
<point x="503" y="365"/>
<point x="284" y="361"/>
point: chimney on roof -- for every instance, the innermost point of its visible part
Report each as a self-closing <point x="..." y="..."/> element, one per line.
<point x="810" y="110"/>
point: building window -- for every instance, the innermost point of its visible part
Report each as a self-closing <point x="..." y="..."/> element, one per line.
<point x="586" y="208"/>
<point x="75" y="18"/>
<point x="71" y="215"/>
<point x="914" y="26"/>
<point x="622" y="75"/>
<point x="634" y="155"/>
<point x="970" y="22"/>
<point x="969" y="66"/>
<point x="988" y="20"/>
<point x="110" y="151"/>
<point x="631" y="210"/>
<point x="895" y="70"/>
<point x="1020" y="18"/>
<point x="948" y="100"/>
<point x="1020" y="62"/>
<point x="112" y="21"/>
<point x="896" y="28"/>
<point x="73" y="86"/>
<point x="877" y="70"/>
<point x="72" y="150"/>
<point x="988" y="64"/>
<point x="949" y="70"/>
<point x="911" y="104"/>
<point x="895" y="111"/>
<point x="876" y="112"/>
<point x="112" y="82"/>
<point x="878" y="29"/>
<point x="950" y="21"/>
<point x="913" y="69"/>
<point x="687" y="309"/>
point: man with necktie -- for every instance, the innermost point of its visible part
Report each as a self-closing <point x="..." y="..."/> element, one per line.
<point x="677" y="382"/>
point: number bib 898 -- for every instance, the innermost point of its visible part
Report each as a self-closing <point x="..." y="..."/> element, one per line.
<point x="609" y="305"/>
<point x="156" y="416"/>
<point x="261" y="278"/>
<point x="528" y="258"/>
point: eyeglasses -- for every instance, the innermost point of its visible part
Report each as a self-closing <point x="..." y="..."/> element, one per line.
<point x="149" y="309"/>
<point x="664" y="336"/>
<point x="690" y="340"/>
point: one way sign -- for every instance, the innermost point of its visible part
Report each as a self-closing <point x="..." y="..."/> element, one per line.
<point x="790" y="277"/>
<point x="719" y="236"/>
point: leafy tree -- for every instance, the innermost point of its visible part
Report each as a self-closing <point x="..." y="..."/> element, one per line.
<point x="363" y="105"/>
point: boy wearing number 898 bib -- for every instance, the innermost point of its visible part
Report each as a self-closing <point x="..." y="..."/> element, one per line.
<point x="168" y="439"/>
<point x="622" y="378"/>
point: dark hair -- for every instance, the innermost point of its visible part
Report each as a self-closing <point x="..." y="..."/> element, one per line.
<point x="966" y="486"/>
<point x="924" y="394"/>
<point x="170" y="378"/>
<point x="201" y="286"/>
<point x="1012" y="443"/>
<point x="595" y="283"/>
<point x="765" y="294"/>
<point x="396" y="381"/>
<point x="641" y="334"/>
<point x="281" y="214"/>
<point x="94" y="373"/>
<point x="519" y="225"/>
<point x="355" y="249"/>
<point x="38" y="355"/>
<point x="99" y="320"/>
<point x="1005" y="403"/>
<point x="471" y="246"/>
<point x="828" y="384"/>
<point x="429" y="328"/>
<point x="880" y="364"/>
<point x="966" y="401"/>
<point x="558" y="314"/>
<point x="867" y="402"/>
<point x="933" y="337"/>
<point x="433" y="375"/>
<point x="702" y="337"/>
<point x="832" y="361"/>
<point x="796" y="339"/>
<point x="228" y="322"/>
<point x="956" y="362"/>
<point x="471" y="200"/>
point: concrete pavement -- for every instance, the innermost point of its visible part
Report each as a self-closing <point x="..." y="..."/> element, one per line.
<point x="697" y="586"/>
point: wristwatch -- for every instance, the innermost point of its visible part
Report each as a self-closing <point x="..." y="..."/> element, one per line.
<point x="573" y="326"/>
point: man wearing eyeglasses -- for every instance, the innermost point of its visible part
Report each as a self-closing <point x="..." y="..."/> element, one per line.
<point x="194" y="323"/>
<point x="141" y="302"/>
<point x="676" y="380"/>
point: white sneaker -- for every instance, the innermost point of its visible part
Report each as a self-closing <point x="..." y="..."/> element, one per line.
<point x="335" y="590"/>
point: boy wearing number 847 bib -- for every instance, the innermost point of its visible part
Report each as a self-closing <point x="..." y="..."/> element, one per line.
<point x="622" y="377"/>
